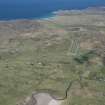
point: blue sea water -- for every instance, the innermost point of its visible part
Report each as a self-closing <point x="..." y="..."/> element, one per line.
<point x="29" y="9"/>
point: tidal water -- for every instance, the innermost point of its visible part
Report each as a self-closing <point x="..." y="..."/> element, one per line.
<point x="32" y="9"/>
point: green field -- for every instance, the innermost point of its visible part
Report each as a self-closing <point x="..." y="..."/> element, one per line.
<point x="52" y="56"/>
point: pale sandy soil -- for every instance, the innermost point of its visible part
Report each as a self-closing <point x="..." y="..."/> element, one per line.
<point x="54" y="102"/>
<point x="41" y="99"/>
<point x="46" y="99"/>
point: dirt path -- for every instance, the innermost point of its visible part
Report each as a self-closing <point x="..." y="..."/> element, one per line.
<point x="44" y="98"/>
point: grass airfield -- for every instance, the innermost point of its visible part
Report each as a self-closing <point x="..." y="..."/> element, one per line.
<point x="48" y="54"/>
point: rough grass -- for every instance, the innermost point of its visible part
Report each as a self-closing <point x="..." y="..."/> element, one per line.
<point x="44" y="59"/>
<point x="30" y="68"/>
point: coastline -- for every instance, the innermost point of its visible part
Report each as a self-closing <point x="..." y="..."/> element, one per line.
<point x="60" y="12"/>
<point x="40" y="54"/>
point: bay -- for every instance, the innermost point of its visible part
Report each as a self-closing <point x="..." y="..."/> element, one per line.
<point x="33" y="9"/>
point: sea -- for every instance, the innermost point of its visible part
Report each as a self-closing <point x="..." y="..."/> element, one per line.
<point x="35" y="9"/>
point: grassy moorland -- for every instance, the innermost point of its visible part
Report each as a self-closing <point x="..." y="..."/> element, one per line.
<point x="48" y="54"/>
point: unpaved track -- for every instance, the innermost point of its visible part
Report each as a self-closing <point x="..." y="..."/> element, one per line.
<point x="44" y="98"/>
